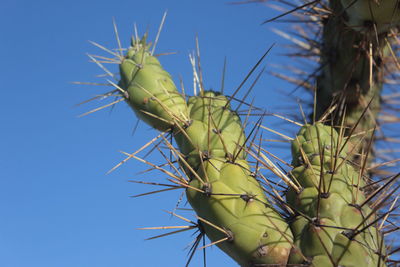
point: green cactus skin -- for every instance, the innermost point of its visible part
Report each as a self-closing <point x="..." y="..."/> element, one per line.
<point x="236" y="201"/>
<point x="150" y="90"/>
<point x="210" y="136"/>
<point x="329" y="205"/>
<point x="385" y="14"/>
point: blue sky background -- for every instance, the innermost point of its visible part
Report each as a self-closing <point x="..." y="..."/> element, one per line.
<point x="58" y="208"/>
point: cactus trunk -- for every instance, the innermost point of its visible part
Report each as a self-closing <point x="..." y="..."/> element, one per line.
<point x="355" y="47"/>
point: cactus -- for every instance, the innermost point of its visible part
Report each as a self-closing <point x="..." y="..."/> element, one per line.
<point x="332" y="209"/>
<point x="220" y="188"/>
<point x="331" y="212"/>
<point x="149" y="89"/>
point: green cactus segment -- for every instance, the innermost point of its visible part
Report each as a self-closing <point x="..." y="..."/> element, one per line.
<point x="255" y="233"/>
<point x="385" y="14"/>
<point x="149" y="88"/>
<point x="233" y="202"/>
<point x="214" y="131"/>
<point x="229" y="201"/>
<point x="330" y="206"/>
<point x="352" y="67"/>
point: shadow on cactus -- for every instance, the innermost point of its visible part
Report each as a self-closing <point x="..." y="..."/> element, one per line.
<point x="328" y="214"/>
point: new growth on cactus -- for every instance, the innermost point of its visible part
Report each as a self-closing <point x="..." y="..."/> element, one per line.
<point x="332" y="210"/>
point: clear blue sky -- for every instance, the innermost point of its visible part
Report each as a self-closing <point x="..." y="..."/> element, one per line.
<point x="58" y="208"/>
